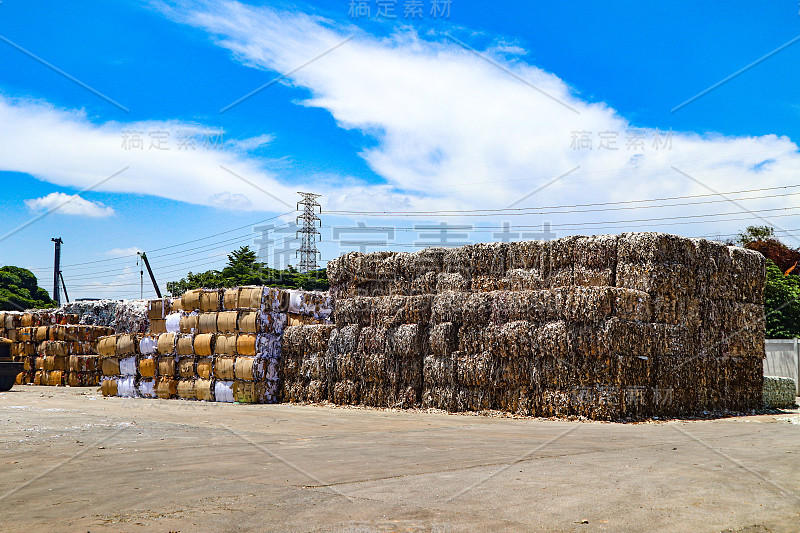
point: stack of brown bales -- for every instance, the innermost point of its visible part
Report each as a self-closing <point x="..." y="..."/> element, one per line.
<point x="54" y="348"/>
<point x="640" y="324"/>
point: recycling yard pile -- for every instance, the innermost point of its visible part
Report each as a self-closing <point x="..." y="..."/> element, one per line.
<point x="211" y="344"/>
<point x="54" y="348"/>
<point x="606" y="327"/>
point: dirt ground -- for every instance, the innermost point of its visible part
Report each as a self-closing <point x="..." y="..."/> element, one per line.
<point x="75" y="461"/>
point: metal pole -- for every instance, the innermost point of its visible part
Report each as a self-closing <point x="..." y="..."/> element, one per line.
<point x="57" y="271"/>
<point x="150" y="271"/>
<point x="64" y="286"/>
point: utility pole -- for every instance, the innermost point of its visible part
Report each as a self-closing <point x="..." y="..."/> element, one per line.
<point x="57" y="271"/>
<point x="143" y="255"/>
<point x="308" y="249"/>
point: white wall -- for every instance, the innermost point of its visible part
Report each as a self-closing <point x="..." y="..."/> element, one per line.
<point x="783" y="359"/>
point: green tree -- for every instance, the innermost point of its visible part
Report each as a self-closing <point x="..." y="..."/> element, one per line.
<point x="243" y="268"/>
<point x="19" y="290"/>
<point x="754" y="234"/>
<point x="781" y="304"/>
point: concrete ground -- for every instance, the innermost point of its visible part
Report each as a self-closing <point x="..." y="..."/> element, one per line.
<point x="74" y="461"/>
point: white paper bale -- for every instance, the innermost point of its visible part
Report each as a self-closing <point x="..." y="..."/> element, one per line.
<point x="128" y="366"/>
<point x="148" y="345"/>
<point x="173" y="323"/>
<point x="147" y="388"/>
<point x="126" y="387"/>
<point x="223" y="391"/>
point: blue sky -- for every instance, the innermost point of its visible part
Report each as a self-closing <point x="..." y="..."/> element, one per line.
<point x="475" y="110"/>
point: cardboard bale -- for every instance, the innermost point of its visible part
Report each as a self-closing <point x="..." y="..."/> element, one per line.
<point x="225" y="345"/>
<point x="107" y="346"/>
<point x="109" y="387"/>
<point x="204" y="389"/>
<point x="249" y="368"/>
<point x="344" y="340"/>
<point x="348" y="366"/>
<point x="377" y="367"/>
<point x="227" y="322"/>
<point x="207" y="323"/>
<point x="166" y="388"/>
<point x="439" y="397"/>
<point x="453" y="281"/>
<point x="376" y="394"/>
<point x="449" y="307"/>
<point x="210" y="301"/>
<point x="148" y="367"/>
<point x="205" y="367"/>
<point x="109" y="366"/>
<point x="346" y="392"/>
<point x="167" y="366"/>
<point x="204" y="344"/>
<point x="595" y="260"/>
<point x="406" y="341"/>
<point x="184" y="345"/>
<point x="190" y="301"/>
<point x="224" y="368"/>
<point x="246" y="345"/>
<point x="443" y="339"/>
<point x="748" y="274"/>
<point x="472" y="399"/>
<point x="186" y="367"/>
<point x="189" y="323"/>
<point x="166" y="343"/>
<point x="186" y="390"/>
<point x="83" y="379"/>
<point x="249" y="392"/>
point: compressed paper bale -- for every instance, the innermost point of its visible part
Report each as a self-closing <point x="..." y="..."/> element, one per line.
<point x="248" y="322"/>
<point x="439" y="370"/>
<point x="424" y="284"/>
<point x="512" y="340"/>
<point x="184" y="345"/>
<point x="227" y="321"/>
<point x="779" y="392"/>
<point x="205" y="367"/>
<point x="291" y="367"/>
<point x="666" y="280"/>
<point x="472" y="339"/>
<point x="204" y="344"/>
<point x="173" y="323"/>
<point x="473" y="399"/>
<point x="519" y="279"/>
<point x="747" y="274"/>
<point x="166" y="343"/>
<point x="346" y="392"/>
<point x="277" y="300"/>
<point x="439" y="397"/>
<point x="406" y="341"/>
<point x="84" y="363"/>
<point x="249" y="392"/>
<point x="318" y="337"/>
<point x="148" y="367"/>
<point x="246" y="345"/>
<point x="189" y="323"/>
<point x="294" y="341"/>
<point x="340" y="270"/>
<point x="344" y="340"/>
<point x="204" y="390"/>
<point x="353" y="311"/>
<point x="453" y="281"/>
<point x="478" y="309"/>
<point x="533" y="256"/>
<point x="377" y="367"/>
<point x="207" y="323"/>
<point x="109" y="366"/>
<point x="191" y="300"/>
<point x="595" y="260"/>
<point x="449" y="307"/>
<point x="633" y="305"/>
<point x="658" y="248"/>
<point x="224" y="368"/>
<point x="561" y="256"/>
<point x="249" y="369"/>
<point x="186" y="367"/>
<point x="422" y="262"/>
<point x="186" y="389"/>
<point x="475" y="370"/>
<point x="128" y="366"/>
<point x="126" y="387"/>
<point x="377" y="394"/>
<point x="41" y="334"/>
<point x="676" y="310"/>
<point x="443" y="339"/>
<point x="82" y="379"/>
<point x="148" y="344"/>
<point x="147" y="388"/>
<point x="316" y="391"/>
<point x="109" y="387"/>
<point x="230" y="299"/>
<point x="271" y="322"/>
<point x="55" y="362"/>
<point x="553" y="340"/>
<point x="348" y="366"/>
<point x="225" y="345"/>
<point x="176" y="305"/>
<point x="372" y="339"/>
<point x="585" y="304"/>
<point x="166" y="388"/>
<point x="167" y="366"/>
<point x="107" y="346"/>
<point x="314" y="367"/>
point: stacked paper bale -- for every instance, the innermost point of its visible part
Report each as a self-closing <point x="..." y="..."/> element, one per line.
<point x="604" y="327"/>
<point x="119" y="365"/>
<point x="305" y="363"/>
<point x="63" y="354"/>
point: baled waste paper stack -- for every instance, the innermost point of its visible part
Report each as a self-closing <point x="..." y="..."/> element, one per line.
<point x="55" y="349"/>
<point x="220" y="345"/>
<point x="607" y="327"/>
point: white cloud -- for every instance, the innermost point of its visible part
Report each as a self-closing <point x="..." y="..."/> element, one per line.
<point x="123" y="252"/>
<point x="67" y="204"/>
<point x="455" y="130"/>
<point x="253" y="143"/>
